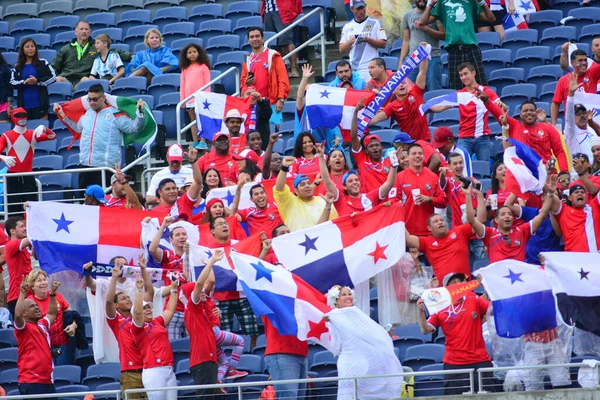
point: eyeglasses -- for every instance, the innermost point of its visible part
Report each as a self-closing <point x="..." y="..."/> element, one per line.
<point x="94" y="99"/>
<point x="224" y="223"/>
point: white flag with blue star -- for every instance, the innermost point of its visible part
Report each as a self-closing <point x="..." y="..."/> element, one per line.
<point x="524" y="7"/>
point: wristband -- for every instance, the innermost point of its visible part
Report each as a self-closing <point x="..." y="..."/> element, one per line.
<point x="138" y="290"/>
<point x="328" y="208"/>
<point x="285" y="168"/>
<point x="316" y="183"/>
<point x="173" y="291"/>
<point x="52" y="294"/>
<point x="482" y="3"/>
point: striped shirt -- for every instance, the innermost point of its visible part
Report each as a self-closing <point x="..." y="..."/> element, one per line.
<point x="109" y="66"/>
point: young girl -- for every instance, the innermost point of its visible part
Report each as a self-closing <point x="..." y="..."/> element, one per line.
<point x="195" y="73"/>
<point x="108" y="64"/>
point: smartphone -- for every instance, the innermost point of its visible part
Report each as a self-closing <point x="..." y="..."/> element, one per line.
<point x="466" y="182"/>
<point x="552" y="162"/>
<point x="477" y="186"/>
<point x="388" y="327"/>
<point x="250" y="74"/>
<point x="394" y="159"/>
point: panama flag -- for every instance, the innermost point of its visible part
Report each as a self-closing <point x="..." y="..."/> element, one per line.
<point x="522" y="297"/>
<point x="328" y="107"/>
<point x="440" y="298"/>
<point x="66" y="236"/>
<point x="227" y="193"/>
<point x="345" y="251"/>
<point x="453" y="100"/>
<point x="525" y="170"/>
<point x="211" y="109"/>
<point x="75" y="109"/>
<point x="291" y="305"/>
<point x="523" y="7"/>
<point x="576" y="283"/>
<point x="514" y="21"/>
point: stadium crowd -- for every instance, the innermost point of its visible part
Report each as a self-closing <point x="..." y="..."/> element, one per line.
<point x="456" y="216"/>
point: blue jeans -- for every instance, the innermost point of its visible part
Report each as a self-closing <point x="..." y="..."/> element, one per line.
<point x="67" y="357"/>
<point x="36" y="388"/>
<point x="479" y="146"/>
<point x="288" y="366"/>
<point x="434" y="74"/>
<point x="349" y="12"/>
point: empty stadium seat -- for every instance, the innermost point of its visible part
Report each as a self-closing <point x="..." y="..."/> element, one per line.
<point x="51" y="9"/>
<point x="82" y="87"/>
<point x="129" y="86"/>
<point x="26" y="27"/>
<point x="205" y="12"/>
<point x="566" y="5"/>
<point x="243" y="25"/>
<point x="16" y="12"/>
<point x="424" y="354"/>
<point x="133" y="18"/>
<point x="61" y="23"/>
<point x="547" y="92"/>
<point x="164" y="84"/>
<point x="178" y="44"/>
<point x="544" y="74"/>
<point x="396" y="48"/>
<point x="487" y="184"/>
<point x="9" y="379"/>
<point x="86" y="7"/>
<point x="99" y="374"/>
<point x="251" y="363"/>
<point x="135" y="34"/>
<point x="8" y="358"/>
<point x="209" y="29"/>
<point x="429" y="385"/>
<point x="242" y="9"/>
<point x="7" y="43"/>
<point x="101" y="20"/>
<point x="48" y="162"/>
<point x="313" y="23"/>
<point x="7" y="338"/>
<point x="541" y="20"/>
<point x="62" y="38"/>
<point x="581" y="17"/>
<point x="11" y="57"/>
<point x="47" y="54"/>
<point x="514" y="95"/>
<point x="553" y="37"/>
<point x="506" y="76"/>
<point x="179" y="30"/>
<point x="167" y="104"/>
<point x="488" y="40"/>
<point x="447" y="117"/>
<point x="480" y="263"/>
<point x="106" y="387"/>
<point x="120" y="6"/>
<point x="45" y="148"/>
<point x="518" y="38"/>
<point x="323" y="363"/>
<point x="220" y="44"/>
<point x="481" y="169"/>
<point x="66" y="374"/>
<point x="73" y="389"/>
<point x="59" y="91"/>
<point x="169" y="15"/>
<point x="588" y="33"/>
<point x="436" y="93"/>
<point x="155" y="5"/>
<point x="495" y="59"/>
<point x="403" y="342"/>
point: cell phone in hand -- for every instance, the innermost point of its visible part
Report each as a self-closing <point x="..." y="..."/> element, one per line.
<point x="477" y="186"/>
<point x="394" y="159"/>
<point x="250" y="75"/>
<point x="465" y="182"/>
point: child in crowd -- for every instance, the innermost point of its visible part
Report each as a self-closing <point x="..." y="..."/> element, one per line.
<point x="108" y="64"/>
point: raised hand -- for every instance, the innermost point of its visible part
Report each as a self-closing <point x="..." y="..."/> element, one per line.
<point x="116" y="271"/>
<point x="24" y="285"/>
<point x="217" y="255"/>
<point x="307" y="71"/>
<point x="192" y="154"/>
<point x="54" y="286"/>
<point x="288" y="161"/>
<point x="167" y="221"/>
<point x="142" y="260"/>
<point x="274" y="137"/>
<point x="139" y="282"/>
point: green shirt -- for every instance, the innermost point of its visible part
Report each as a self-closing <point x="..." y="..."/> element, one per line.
<point x="458" y="18"/>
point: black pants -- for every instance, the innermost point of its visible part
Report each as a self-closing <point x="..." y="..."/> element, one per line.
<point x="18" y="185"/>
<point x="11" y="305"/>
<point x="36" y="388"/>
<point x="459" y="383"/>
<point x="205" y="374"/>
<point x="92" y="178"/>
<point x="458" y="54"/>
<point x="263" y="114"/>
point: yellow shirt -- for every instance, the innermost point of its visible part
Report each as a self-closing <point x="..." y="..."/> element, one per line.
<point x="298" y="214"/>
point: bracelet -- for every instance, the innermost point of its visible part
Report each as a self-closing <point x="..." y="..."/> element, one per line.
<point x="316" y="183"/>
<point x="52" y="294"/>
<point x="173" y="291"/>
<point x="328" y="208"/>
<point x="285" y="168"/>
<point x="138" y="290"/>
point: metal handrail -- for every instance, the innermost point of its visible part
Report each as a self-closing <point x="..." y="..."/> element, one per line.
<point x="319" y="35"/>
<point x="145" y="181"/>
<point x="116" y="393"/>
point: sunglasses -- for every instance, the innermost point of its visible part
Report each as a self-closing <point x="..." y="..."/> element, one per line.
<point x="94" y="99"/>
<point x="20" y="115"/>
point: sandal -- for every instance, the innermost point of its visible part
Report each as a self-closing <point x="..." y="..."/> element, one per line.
<point x="294" y="74"/>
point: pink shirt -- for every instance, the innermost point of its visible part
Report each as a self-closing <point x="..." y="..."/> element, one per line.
<point x="193" y="78"/>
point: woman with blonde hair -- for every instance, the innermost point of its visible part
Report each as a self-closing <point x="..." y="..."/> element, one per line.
<point x="40" y="293"/>
<point x="157" y="59"/>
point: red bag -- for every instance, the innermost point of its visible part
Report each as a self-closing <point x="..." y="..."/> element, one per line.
<point x="268" y="393"/>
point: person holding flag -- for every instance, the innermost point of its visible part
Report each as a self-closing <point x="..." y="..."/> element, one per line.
<point x="580" y="126"/>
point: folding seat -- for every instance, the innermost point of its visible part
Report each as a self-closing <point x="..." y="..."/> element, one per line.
<point x="180" y="30"/>
<point x="45" y="148"/>
<point x="209" y="29"/>
<point x="488" y="40"/>
<point x="164" y="84"/>
<point x="242" y="9"/>
<point x="226" y="61"/>
<point x="64" y="374"/>
<point x="582" y="17"/>
<point x="481" y="169"/>
<point x="136" y="34"/>
<point x="220" y="44"/>
<point x="566" y="5"/>
<point x="121" y="6"/>
<point x="101" y="20"/>
<point x="7" y="338"/>
<point x="436" y="93"/>
<point x="447" y="117"/>
<point x="9" y="379"/>
<point x="495" y="59"/>
<point x="106" y="387"/>
<point x="588" y="33"/>
<point x="7" y="43"/>
<point x="396" y="48"/>
<point x="169" y="15"/>
<point x="391" y="62"/>
<point x="544" y="74"/>
<point x="52" y="9"/>
<point x="205" y="12"/>
<point x="519" y="38"/>
<point x="61" y="23"/>
<point x="251" y="363"/>
<point x="26" y="27"/>
<point x="62" y="38"/>
<point x="506" y="76"/>
<point x="541" y="20"/>
<point x="530" y="57"/>
<point x="115" y="34"/>
<point x="167" y="103"/>
<point x="19" y="11"/>
<point x="120" y="46"/>
<point x="82" y="87"/>
<point x="555" y="37"/>
<point x="47" y="54"/>
<point x="102" y="373"/>
<point x="424" y="354"/>
<point x="155" y="5"/>
<point x="83" y="389"/>
<point x="178" y="44"/>
<point x="243" y="25"/>
<point x="129" y="86"/>
<point x="323" y="363"/>
<point x="86" y="7"/>
<point x="133" y="18"/>
<point x="313" y="23"/>
<point x="514" y="95"/>
<point x="47" y="163"/>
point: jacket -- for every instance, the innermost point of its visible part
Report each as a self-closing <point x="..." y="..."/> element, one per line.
<point x="45" y="76"/>
<point x="288" y="10"/>
<point x="81" y="341"/>
<point x="101" y="135"/>
<point x="68" y="66"/>
<point x="357" y="82"/>
<point x="279" y="83"/>
<point x="5" y="89"/>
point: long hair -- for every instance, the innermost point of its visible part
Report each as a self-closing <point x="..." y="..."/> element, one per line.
<point x="2" y="59"/>
<point x="251" y="169"/>
<point x="205" y="188"/>
<point x="495" y="181"/>
<point x="298" y="145"/>
<point x="22" y="58"/>
<point x="329" y="160"/>
<point x="202" y="56"/>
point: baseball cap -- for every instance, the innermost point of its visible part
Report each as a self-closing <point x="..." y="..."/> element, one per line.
<point x="299" y="179"/>
<point x="347" y="175"/>
<point x="403" y="138"/>
<point x="188" y="181"/>
<point x="96" y="192"/>
<point x="147" y="303"/>
<point x="580" y="107"/>
<point x="218" y="135"/>
<point x="113" y="178"/>
<point x="175" y="153"/>
<point x="344" y="82"/>
<point x="357" y="3"/>
<point x="370" y="138"/>
<point x="247" y="154"/>
<point x="595" y="141"/>
<point x="441" y="136"/>
<point x="453" y="275"/>
<point x="233" y="113"/>
<point x="575" y="187"/>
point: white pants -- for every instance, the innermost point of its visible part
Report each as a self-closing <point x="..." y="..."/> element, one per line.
<point x="160" y="377"/>
<point x="546" y="353"/>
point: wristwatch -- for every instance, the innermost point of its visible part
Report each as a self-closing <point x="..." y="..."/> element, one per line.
<point x="281" y="99"/>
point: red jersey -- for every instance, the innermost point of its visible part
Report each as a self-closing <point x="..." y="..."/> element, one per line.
<point x="259" y="65"/>
<point x="236" y="232"/>
<point x="153" y="341"/>
<point x="427" y="182"/>
<point x="183" y="208"/>
<point x="210" y="306"/>
<point x="34" y="359"/>
<point x="595" y="180"/>
<point x="581" y="226"/>
<point x="509" y="247"/>
<point x="449" y="253"/>
<point x="18" y="261"/>
<point x="237" y="144"/>
<point x="346" y="205"/>
<point x="3" y="237"/>
<point x="112" y="201"/>
<point x="58" y="337"/>
<point x="589" y="81"/>
<point x="172" y="261"/>
<point x="22" y="146"/>
<point x="305" y="166"/>
<point x="461" y="323"/>
<point x="456" y="199"/>
<point x="428" y="151"/>
<point x="262" y="220"/>
<point x="406" y="113"/>
<point x="203" y="345"/>
<point x="474" y="115"/>
<point x="372" y="174"/>
<point x="130" y="356"/>
<point x="228" y="167"/>
<point x="280" y="344"/>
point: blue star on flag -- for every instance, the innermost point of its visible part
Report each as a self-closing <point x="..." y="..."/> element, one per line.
<point x="513" y="276"/>
<point x="325" y="93"/>
<point x="206" y="104"/>
<point x="526" y="5"/>
<point x="62" y="224"/>
<point x="262" y="272"/>
<point x="309" y="244"/>
<point x="229" y="197"/>
<point x="584" y="274"/>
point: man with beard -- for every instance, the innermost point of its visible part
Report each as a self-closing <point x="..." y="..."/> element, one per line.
<point x="221" y="159"/>
<point x="264" y="217"/>
<point x="344" y="73"/>
<point x="414" y="34"/>
<point x="233" y="122"/>
<point x="271" y="164"/>
<point x="175" y="170"/>
<point x="580" y="127"/>
<point x="118" y="196"/>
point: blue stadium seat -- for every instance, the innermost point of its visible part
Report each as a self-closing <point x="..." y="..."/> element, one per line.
<point x="506" y="76"/>
<point x="532" y="56"/>
<point x="182" y="372"/>
<point x="7" y="43"/>
<point x="403" y="342"/>
<point x="395" y="48"/>
<point x="514" y="95"/>
<point x="65" y="374"/>
<point x="120" y="46"/>
<point x="42" y="40"/>
<point x="243" y="25"/>
<point x="436" y="93"/>
<point x="179" y="30"/>
<point x="7" y="338"/>
<point x="45" y="148"/>
<point x="106" y="387"/>
<point x="116" y="34"/>
<point x="182" y="366"/>
<point x="8" y="358"/>
<point x="582" y="17"/>
<point x="101" y="20"/>
<point x="155" y="5"/>
<point x="19" y="11"/>
<point x="434" y="351"/>
<point x="495" y="59"/>
<point x="9" y="379"/>
<point x="178" y="44"/>
<point x="251" y="363"/>
<point x="429" y="385"/>
<point x="73" y="389"/>
<point x="11" y="57"/>
<point x="480" y="263"/>
<point x="488" y="40"/>
<point x="486" y="183"/>
<point x="589" y="32"/>
<point x="220" y="44"/>
<point x="169" y="15"/>
<point x="26" y="27"/>
<point x="121" y="6"/>
<point x="391" y="62"/>
<point x="209" y="29"/>
<point x="61" y="23"/>
<point x="52" y="9"/>
<point x="164" y="84"/>
<point x="267" y="35"/>
<point x="205" y="12"/>
<point x="99" y="374"/>
<point x="60" y="91"/>
<point x="543" y="74"/>
<point x="323" y="363"/>
<point x="481" y="169"/>
<point x="86" y="7"/>
<point x="133" y="18"/>
<point x="544" y="19"/>
<point x="553" y="37"/>
<point x="447" y="117"/>
<point x="181" y="344"/>
<point x="518" y="38"/>
<point x="313" y="23"/>
<point x="82" y="87"/>
<point x="547" y="91"/>
<point x="47" y="163"/>
<point x="47" y="54"/>
<point x="226" y="61"/>
<point x="135" y="34"/>
<point x="242" y="9"/>
<point x="129" y="86"/>
<point x="565" y="5"/>
<point x="167" y="104"/>
<point x="72" y="161"/>
<point x="34" y="123"/>
<point x="62" y="38"/>
<point x="4" y="28"/>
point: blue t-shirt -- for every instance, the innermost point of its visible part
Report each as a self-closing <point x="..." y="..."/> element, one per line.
<point x="31" y="93"/>
<point x="544" y="239"/>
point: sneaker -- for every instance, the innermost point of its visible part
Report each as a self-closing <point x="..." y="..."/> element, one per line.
<point x="223" y="390"/>
<point x="235" y="374"/>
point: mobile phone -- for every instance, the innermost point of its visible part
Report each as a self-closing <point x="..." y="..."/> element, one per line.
<point x="388" y="327"/>
<point x="552" y="162"/>
<point x="477" y="186"/>
<point x="466" y="182"/>
<point x="394" y="159"/>
<point x="250" y="74"/>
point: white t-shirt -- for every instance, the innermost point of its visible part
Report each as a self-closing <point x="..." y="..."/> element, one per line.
<point x="165" y="173"/>
<point x="108" y="67"/>
<point x="362" y="53"/>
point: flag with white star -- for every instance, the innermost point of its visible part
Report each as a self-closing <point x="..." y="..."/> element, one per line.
<point x="211" y="109"/>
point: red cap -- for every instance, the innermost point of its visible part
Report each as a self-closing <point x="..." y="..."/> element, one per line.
<point x="212" y="201"/>
<point x="441" y="136"/>
<point x="370" y="138"/>
<point x="175" y="153"/>
<point x="247" y="154"/>
<point x="218" y="135"/>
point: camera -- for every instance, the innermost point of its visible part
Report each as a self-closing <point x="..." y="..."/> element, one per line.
<point x="477" y="186"/>
<point x="466" y="182"/>
<point x="56" y="352"/>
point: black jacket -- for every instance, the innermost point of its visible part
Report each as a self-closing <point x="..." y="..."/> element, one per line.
<point x="80" y="338"/>
<point x="45" y="76"/>
<point x="5" y="88"/>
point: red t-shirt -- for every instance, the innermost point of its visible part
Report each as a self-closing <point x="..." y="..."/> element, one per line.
<point x="456" y="198"/>
<point x="283" y="344"/>
<point x="346" y="205"/>
<point x="236" y="232"/>
<point x="259" y="64"/>
<point x="18" y="262"/>
<point x="112" y="201"/>
<point x="210" y="306"/>
<point x="406" y="113"/>
<point x="262" y="220"/>
<point x="305" y="166"/>
<point x="130" y="356"/>
<point x="237" y="144"/>
<point x="183" y="208"/>
<point x="228" y="167"/>
<point x="372" y="174"/>
<point x="595" y="180"/>
<point x="58" y="337"/>
<point x="172" y="261"/>
<point x="461" y="324"/>
<point x="450" y="253"/>
<point x="3" y="237"/>
<point x="203" y="346"/>
<point x="428" y="151"/>
<point x="33" y="352"/>
<point x="512" y="247"/>
<point x="428" y="183"/>
<point x="589" y="81"/>
<point x="153" y="340"/>
<point x="474" y="120"/>
<point x="580" y="226"/>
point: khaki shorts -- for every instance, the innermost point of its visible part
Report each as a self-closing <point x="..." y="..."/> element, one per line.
<point x="132" y="380"/>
